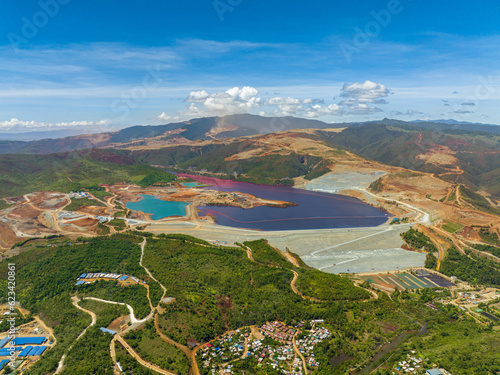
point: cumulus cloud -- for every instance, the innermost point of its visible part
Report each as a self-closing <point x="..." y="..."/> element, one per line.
<point x="232" y="101"/>
<point x="16" y="124"/>
<point x="320" y="110"/>
<point x="164" y="117"/>
<point x="358" y="97"/>
<point x="366" y="92"/>
<point x="287" y="106"/>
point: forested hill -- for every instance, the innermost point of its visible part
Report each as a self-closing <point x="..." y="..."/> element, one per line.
<point x="64" y="172"/>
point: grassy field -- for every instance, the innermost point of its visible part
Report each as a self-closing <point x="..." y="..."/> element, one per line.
<point x="78" y="203"/>
<point x="452" y="227"/>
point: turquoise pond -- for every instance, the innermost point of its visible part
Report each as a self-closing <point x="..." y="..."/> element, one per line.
<point x="157" y="207"/>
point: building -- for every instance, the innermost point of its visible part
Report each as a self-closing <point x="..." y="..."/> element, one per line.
<point x="434" y="371"/>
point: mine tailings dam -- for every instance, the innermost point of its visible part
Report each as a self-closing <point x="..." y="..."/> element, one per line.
<point x="313" y="210"/>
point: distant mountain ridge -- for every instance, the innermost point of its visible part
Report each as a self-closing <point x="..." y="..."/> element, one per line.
<point x="203" y="128"/>
<point x="199" y="128"/>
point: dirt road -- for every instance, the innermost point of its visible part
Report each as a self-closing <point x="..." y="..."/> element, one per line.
<point x="146" y="364"/>
<point x="74" y="301"/>
<point x="296" y="291"/>
<point x="190" y="354"/>
<point x="133" y="319"/>
<point x="296" y="350"/>
<point x="112" y="353"/>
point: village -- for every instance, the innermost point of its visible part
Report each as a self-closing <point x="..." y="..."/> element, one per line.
<point x="273" y="346"/>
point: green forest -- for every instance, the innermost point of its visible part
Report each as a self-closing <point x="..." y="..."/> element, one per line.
<point x="472" y="268"/>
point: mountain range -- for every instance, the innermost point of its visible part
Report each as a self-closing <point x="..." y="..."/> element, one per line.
<point x="457" y="152"/>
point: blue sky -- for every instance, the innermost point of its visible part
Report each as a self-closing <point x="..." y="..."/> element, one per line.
<point x="99" y="65"/>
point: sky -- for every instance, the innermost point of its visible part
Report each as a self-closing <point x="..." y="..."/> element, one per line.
<point x="100" y="65"/>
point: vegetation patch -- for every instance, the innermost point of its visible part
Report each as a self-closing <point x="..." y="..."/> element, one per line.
<point x="118" y="224"/>
<point x="78" y="203"/>
<point x="472" y="268"/>
<point x="328" y="287"/>
<point x="4" y="205"/>
<point x="158" y="178"/>
<point x="452" y="227"/>
<point x="152" y="348"/>
<point x="488" y="248"/>
<point x="90" y="355"/>
<point x="129" y="364"/>
<point x="417" y="240"/>
<point x="489" y="237"/>
<point x="376" y="185"/>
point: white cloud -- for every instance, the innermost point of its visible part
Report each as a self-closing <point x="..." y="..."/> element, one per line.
<point x="319" y="110"/>
<point x="232" y="101"/>
<point x="288" y="106"/>
<point x="366" y="92"/>
<point x="16" y="124"/>
<point x="358" y="97"/>
<point x="164" y="117"/>
<point x="356" y="100"/>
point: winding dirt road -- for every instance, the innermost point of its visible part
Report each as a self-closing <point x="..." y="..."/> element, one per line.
<point x="74" y="301"/>
<point x="143" y="362"/>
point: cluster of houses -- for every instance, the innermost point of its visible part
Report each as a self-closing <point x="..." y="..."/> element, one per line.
<point x="272" y="348"/>
<point x="221" y="351"/>
<point x="412" y="365"/>
<point x="279" y="332"/>
<point x="306" y="345"/>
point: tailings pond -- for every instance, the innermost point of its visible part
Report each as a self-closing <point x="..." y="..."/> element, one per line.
<point x="158" y="208"/>
<point x="314" y="210"/>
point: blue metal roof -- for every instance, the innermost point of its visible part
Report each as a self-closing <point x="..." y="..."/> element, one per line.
<point x="28" y="340"/>
<point x="123" y="278"/>
<point x="33" y="351"/>
<point x="105" y="330"/>
<point x="82" y="276"/>
<point x="3" y="363"/>
<point x="25" y="351"/>
<point x="41" y="350"/>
